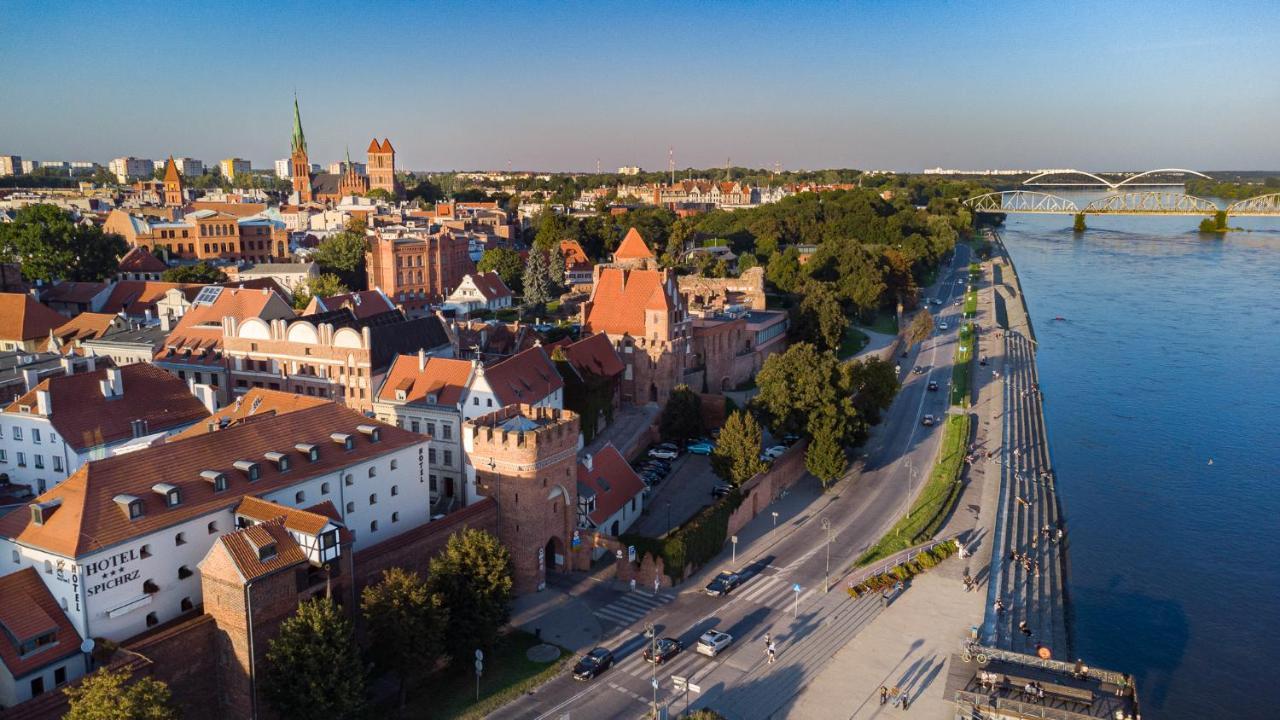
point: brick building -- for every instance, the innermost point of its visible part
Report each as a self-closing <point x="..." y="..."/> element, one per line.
<point x="416" y="264"/>
<point x="382" y="166"/>
<point x="24" y="323"/>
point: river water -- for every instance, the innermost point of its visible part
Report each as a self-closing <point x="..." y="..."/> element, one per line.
<point x="1162" y="397"/>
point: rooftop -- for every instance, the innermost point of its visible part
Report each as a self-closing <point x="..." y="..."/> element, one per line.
<point x="27" y="611"/>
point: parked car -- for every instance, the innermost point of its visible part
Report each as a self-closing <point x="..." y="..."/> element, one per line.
<point x="933" y="385"/>
<point x="651" y="478"/>
<point x="790" y="440"/>
<point x="658" y="468"/>
<point x="721" y="490"/>
<point x="668" y="446"/>
<point x="776" y="452"/>
<point x="662" y="651"/>
<point x="592" y="664"/>
<point x="662" y="465"/>
<point x="942" y="326"/>
<point x="936" y="301"/>
<point x="918" y="370"/>
<point x="713" y="642"/>
<point x="723" y="584"/>
<point x="663" y="453"/>
<point x="701" y="448"/>
<point x="928" y="420"/>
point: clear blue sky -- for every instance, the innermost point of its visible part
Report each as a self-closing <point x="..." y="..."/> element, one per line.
<point x="892" y="84"/>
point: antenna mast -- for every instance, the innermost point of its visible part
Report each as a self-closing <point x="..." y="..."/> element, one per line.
<point x="671" y="162"/>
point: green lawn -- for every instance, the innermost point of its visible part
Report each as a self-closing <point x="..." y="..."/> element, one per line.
<point x="885" y="322"/>
<point x="451" y="693"/>
<point x="960" y="371"/>
<point x="853" y="341"/>
<point x="971" y="304"/>
<point x="935" y="500"/>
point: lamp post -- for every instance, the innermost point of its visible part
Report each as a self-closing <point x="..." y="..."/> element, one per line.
<point x="775" y="518"/>
<point x="826" y="580"/>
<point x="651" y="633"/>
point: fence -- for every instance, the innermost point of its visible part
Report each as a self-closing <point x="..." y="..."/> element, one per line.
<point x="899" y="558"/>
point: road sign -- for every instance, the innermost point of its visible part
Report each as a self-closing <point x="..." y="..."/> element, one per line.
<point x="795" y="588"/>
<point x="695" y="688"/>
<point x="479" y="654"/>
<point x="479" y="666"/>
<point x="619" y="554"/>
<point x="733" y="539"/>
<point x="655" y="683"/>
<point x="577" y="539"/>
<point x="631" y="553"/>
<point x="679" y="682"/>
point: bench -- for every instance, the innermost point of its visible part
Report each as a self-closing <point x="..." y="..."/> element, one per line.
<point x="1080" y="695"/>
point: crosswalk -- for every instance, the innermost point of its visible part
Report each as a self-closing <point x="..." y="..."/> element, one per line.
<point x="774" y="591"/>
<point x="631" y="607"/>
<point x="687" y="664"/>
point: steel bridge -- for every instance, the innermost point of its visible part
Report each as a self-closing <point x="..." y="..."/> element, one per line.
<point x="1092" y="180"/>
<point x="1150" y="202"/>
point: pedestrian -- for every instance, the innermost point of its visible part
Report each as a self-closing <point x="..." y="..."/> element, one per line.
<point x="773" y="652"/>
<point x="884" y="695"/>
<point x="906" y="700"/>
<point x="1025" y="628"/>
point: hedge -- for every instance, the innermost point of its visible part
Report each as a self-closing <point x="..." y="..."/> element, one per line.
<point x="695" y="542"/>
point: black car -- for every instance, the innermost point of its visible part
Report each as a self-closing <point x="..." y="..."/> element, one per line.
<point x="933" y="384"/>
<point x="721" y="490"/>
<point x="592" y="664"/>
<point x="663" y="470"/>
<point x="724" y="582"/>
<point x="662" y="651"/>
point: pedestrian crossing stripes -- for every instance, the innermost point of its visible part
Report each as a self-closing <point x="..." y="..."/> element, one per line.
<point x="774" y="591"/>
<point x="631" y="607"/>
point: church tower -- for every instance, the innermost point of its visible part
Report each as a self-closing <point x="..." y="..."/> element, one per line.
<point x="299" y="164"/>
<point x="382" y="165"/>
<point x="173" y="196"/>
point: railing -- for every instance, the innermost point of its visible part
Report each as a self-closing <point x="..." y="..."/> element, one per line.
<point x="1056" y="666"/>
<point x="899" y="558"/>
<point x="982" y="704"/>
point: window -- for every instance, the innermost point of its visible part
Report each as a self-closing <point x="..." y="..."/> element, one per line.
<point x="212" y="527"/>
<point x="324" y="488"/>
<point x="35" y="435"/>
<point x="431" y="429"/>
<point x="180" y="539"/>
<point x="373" y="498"/>
<point x="395" y="517"/>
<point x="446" y="431"/>
<point x="431" y="456"/>
<point x="488" y="402"/>
<point x="395" y="464"/>
<point x="173" y="497"/>
<point x="415" y="426"/>
<point x="60" y="676"/>
<point x="17" y="433"/>
<point x="373" y="471"/>
<point x="395" y="490"/>
<point x="152" y="620"/>
<point x="135" y="509"/>
<point x="300" y="497"/>
<point x="17" y="557"/>
<point x="57" y="463"/>
<point x="144" y="552"/>
<point x="433" y="483"/>
<point x="348" y="480"/>
<point x="39" y="461"/>
<point x="351" y="507"/>
<point x="448" y="457"/>
<point x="373" y="526"/>
<point x="474" y="401"/>
<point x="184" y="572"/>
<point x="48" y="567"/>
<point x="186" y="604"/>
<point x="22" y="459"/>
<point x="149" y="587"/>
<point x="4" y="456"/>
<point x="37" y="686"/>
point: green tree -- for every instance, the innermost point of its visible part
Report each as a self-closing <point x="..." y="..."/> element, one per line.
<point x="921" y="327"/>
<point x="819" y="319"/>
<point x="537" y="279"/>
<point x="873" y="383"/>
<point x="736" y="458"/>
<point x="473" y="576"/>
<point x="49" y="245"/>
<point x="1078" y="224"/>
<point x="343" y="254"/>
<point x="799" y="385"/>
<point x="201" y="272"/>
<point x="108" y="695"/>
<point x="825" y="457"/>
<point x="551" y="230"/>
<point x="323" y="285"/>
<point x="507" y="263"/>
<point x="407" y="625"/>
<point x="682" y="416"/>
<point x="783" y="270"/>
<point x="313" y="667"/>
<point x="381" y="194"/>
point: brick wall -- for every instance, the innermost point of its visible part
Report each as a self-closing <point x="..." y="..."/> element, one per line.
<point x="184" y="657"/>
<point x="413" y="550"/>
<point x="761" y="490"/>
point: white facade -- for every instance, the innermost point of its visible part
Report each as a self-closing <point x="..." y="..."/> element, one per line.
<point x="10" y="165"/>
<point x="129" y="167"/>
<point x="48" y="678"/>
<point x="467" y="298"/>
<point x="121" y="590"/>
<point x="481" y="400"/>
<point x="443" y="423"/>
<point x="282" y="169"/>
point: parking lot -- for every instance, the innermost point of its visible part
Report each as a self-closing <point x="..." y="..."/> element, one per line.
<point x="679" y="496"/>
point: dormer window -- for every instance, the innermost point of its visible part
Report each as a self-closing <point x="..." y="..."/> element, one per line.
<point x="373" y="432"/>
<point x="171" y="494"/>
<point x="250" y="468"/>
<point x="267" y="552"/>
<point x="401" y="395"/>
<point x="41" y="512"/>
<point x="130" y="504"/>
<point x="280" y="459"/>
<point x="215" y="478"/>
<point x="346" y="441"/>
<point x="309" y="451"/>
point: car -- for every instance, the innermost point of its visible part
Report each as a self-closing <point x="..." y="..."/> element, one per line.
<point x="723" y="584"/>
<point x="936" y="301"/>
<point x="663" y="454"/>
<point x="701" y="448"/>
<point x="933" y="385"/>
<point x="668" y="446"/>
<point x="790" y="440"/>
<point x="928" y="420"/>
<point x="662" y="650"/>
<point x="651" y="479"/>
<point x="657" y="466"/>
<point x="776" y="452"/>
<point x="592" y="664"/>
<point x="918" y="370"/>
<point x="721" y="490"/>
<point x="942" y="326"/>
<point x="713" y="642"/>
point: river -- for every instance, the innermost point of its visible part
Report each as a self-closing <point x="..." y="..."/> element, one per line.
<point x="1161" y="389"/>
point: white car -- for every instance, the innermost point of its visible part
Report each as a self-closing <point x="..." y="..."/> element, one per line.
<point x="663" y="454"/>
<point x="928" y="420"/>
<point x="775" y="452"/>
<point x="942" y="326"/>
<point x="713" y="641"/>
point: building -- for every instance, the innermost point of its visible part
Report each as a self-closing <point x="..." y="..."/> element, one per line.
<point x="578" y="269"/>
<point x="24" y="323"/>
<point x="69" y="337"/>
<point x="363" y="304"/>
<point x="425" y="394"/>
<point x="290" y="276"/>
<point x="39" y="648"/>
<point x="137" y="342"/>
<point x="382" y="166"/>
<point x="119" y="543"/>
<point x="21" y="371"/>
<point x="416" y="264"/>
<point x="233" y="232"/>
<point x="320" y="187"/>
<point x="10" y="165"/>
<point x="189" y="167"/>
<point x="173" y="194"/>
<point x="592" y="373"/>
<point x="68" y="420"/>
<point x="526" y="459"/>
<point x="130" y="168"/>
<point x="610" y="493"/>
<point x="70" y="298"/>
<point x="629" y="170"/>
<point x="526" y="378"/>
<point x="479" y="291"/>
<point x="233" y="166"/>
<point x="138" y="264"/>
<point x="282" y="169"/>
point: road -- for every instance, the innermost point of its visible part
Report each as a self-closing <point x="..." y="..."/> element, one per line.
<point x="808" y="625"/>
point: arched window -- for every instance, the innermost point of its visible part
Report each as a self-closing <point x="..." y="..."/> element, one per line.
<point x="180" y="539"/>
<point x="373" y="498"/>
<point x="149" y="587"/>
<point x="184" y="572"/>
<point x="395" y="490"/>
<point x="348" y="480"/>
<point x="213" y="527"/>
<point x="373" y="526"/>
<point x="373" y="471"/>
<point x="395" y="517"/>
<point x="324" y="488"/>
<point x="351" y="507"/>
<point x="300" y="497"/>
<point x="395" y="464"/>
<point x="186" y="604"/>
<point x="152" y="620"/>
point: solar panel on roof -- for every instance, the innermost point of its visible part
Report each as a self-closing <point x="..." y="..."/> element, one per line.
<point x="208" y="295"/>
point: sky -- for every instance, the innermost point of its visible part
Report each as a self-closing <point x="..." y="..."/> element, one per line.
<point x="894" y="84"/>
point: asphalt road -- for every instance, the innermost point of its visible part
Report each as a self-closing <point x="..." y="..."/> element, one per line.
<point x="808" y="625"/>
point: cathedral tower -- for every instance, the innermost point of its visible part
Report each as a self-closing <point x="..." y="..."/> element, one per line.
<point x="382" y="166"/>
<point x="172" y="184"/>
<point x="299" y="164"/>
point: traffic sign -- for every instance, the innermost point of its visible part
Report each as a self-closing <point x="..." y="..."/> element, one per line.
<point x="577" y="539"/>
<point x="631" y="553"/>
<point x="479" y="666"/>
<point x="479" y="654"/>
<point x="679" y="681"/>
<point x="795" y="587"/>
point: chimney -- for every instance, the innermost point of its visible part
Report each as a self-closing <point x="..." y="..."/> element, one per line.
<point x="586" y="461"/>
<point x="44" y="402"/>
<point x="31" y="378"/>
<point x="422" y="359"/>
<point x="68" y="364"/>
<point x="166" y="322"/>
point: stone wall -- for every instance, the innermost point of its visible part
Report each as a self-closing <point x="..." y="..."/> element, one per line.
<point x="761" y="490"/>
<point x="413" y="550"/>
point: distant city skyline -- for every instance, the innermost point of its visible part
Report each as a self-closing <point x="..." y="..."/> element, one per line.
<point x="903" y="86"/>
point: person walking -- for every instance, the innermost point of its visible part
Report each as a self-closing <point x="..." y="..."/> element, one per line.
<point x="906" y="700"/>
<point x="1024" y="627"/>
<point x="884" y="695"/>
<point x="773" y="652"/>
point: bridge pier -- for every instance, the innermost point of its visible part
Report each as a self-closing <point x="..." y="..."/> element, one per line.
<point x="1079" y="223"/>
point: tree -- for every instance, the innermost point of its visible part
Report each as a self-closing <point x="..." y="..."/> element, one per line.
<point x="551" y="230"/>
<point x="537" y="279"/>
<point x="1078" y="224"/>
<point x="682" y="417"/>
<point x="507" y="263"/>
<point x="49" y="245"/>
<point x="799" y="385"/>
<point x="108" y="695"/>
<point x="473" y="577"/>
<point x="407" y="625"/>
<point x="819" y="319"/>
<point x="313" y="667"/>
<point x="736" y="458"/>
<point x="323" y="285"/>
<point x="201" y="272"/>
<point x="783" y="270"/>
<point x="343" y="254"/>
<point x="381" y="194"/>
<point x="873" y="383"/>
<point x="825" y="457"/>
<point x="921" y="327"/>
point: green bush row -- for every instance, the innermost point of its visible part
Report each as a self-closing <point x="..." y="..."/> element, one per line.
<point x="904" y="571"/>
<point x="693" y="543"/>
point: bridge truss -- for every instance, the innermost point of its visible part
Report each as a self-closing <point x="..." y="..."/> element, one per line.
<point x="1021" y="201"/>
<point x="1151" y="202"/>
<point x="1089" y="179"/>
<point x="1260" y="206"/>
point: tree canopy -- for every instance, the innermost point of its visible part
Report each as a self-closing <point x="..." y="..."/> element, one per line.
<point x="343" y="254"/>
<point x="537" y="279"/>
<point x="507" y="263"/>
<point x="323" y="285"/>
<point x="313" y="667"/>
<point x="48" y="244"/>
<point x="473" y="577"/>
<point x="109" y="695"/>
<point x="407" y="626"/>
<point x="819" y="319"/>
<point x="201" y="272"/>
<point x="682" y="416"/>
<point x="736" y="458"/>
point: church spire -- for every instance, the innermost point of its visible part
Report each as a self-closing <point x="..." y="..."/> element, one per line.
<point x="299" y="140"/>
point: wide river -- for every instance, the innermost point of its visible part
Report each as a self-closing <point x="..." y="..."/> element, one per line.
<point x="1162" y="397"/>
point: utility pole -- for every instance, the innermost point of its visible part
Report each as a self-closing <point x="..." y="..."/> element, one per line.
<point x="652" y="633"/>
<point x="671" y="162"/>
<point x="826" y="581"/>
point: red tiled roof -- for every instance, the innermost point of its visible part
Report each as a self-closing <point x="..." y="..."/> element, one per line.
<point x="386" y="146"/>
<point x="254" y="405"/>
<point x="135" y="297"/>
<point x="230" y="208"/>
<point x="90" y="519"/>
<point x="85" y="418"/>
<point x="594" y="354"/>
<point x="138" y="259"/>
<point x="170" y="171"/>
<point x="22" y="318"/>
<point x="85" y="326"/>
<point x="525" y="377"/>
<point x="574" y="256"/>
<point x="243" y="546"/>
<point x="444" y="377"/>
<point x="73" y="292"/>
<point x="621" y="297"/>
<point x="612" y="480"/>
<point x="374" y="147"/>
<point x="490" y="285"/>
<point x="201" y="326"/>
<point x="363" y="303"/>
<point x="303" y="521"/>
<point x="27" y="611"/>
<point x="633" y="247"/>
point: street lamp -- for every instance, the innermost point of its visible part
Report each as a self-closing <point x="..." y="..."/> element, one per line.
<point x="651" y="633"/>
<point x="775" y="518"/>
<point x="826" y="580"/>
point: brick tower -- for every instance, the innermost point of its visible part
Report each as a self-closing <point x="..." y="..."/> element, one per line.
<point x="382" y="165"/>
<point x="526" y="458"/>
<point x="172" y="184"/>
<point x="299" y="163"/>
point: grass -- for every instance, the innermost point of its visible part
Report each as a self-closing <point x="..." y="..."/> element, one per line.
<point x="960" y="371"/>
<point x="853" y="341"/>
<point x="936" y="498"/>
<point x="885" y="323"/>
<point x="508" y="673"/>
<point x="553" y="307"/>
<point x="971" y="304"/>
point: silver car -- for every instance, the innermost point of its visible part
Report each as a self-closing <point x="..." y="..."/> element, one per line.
<point x="713" y="641"/>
